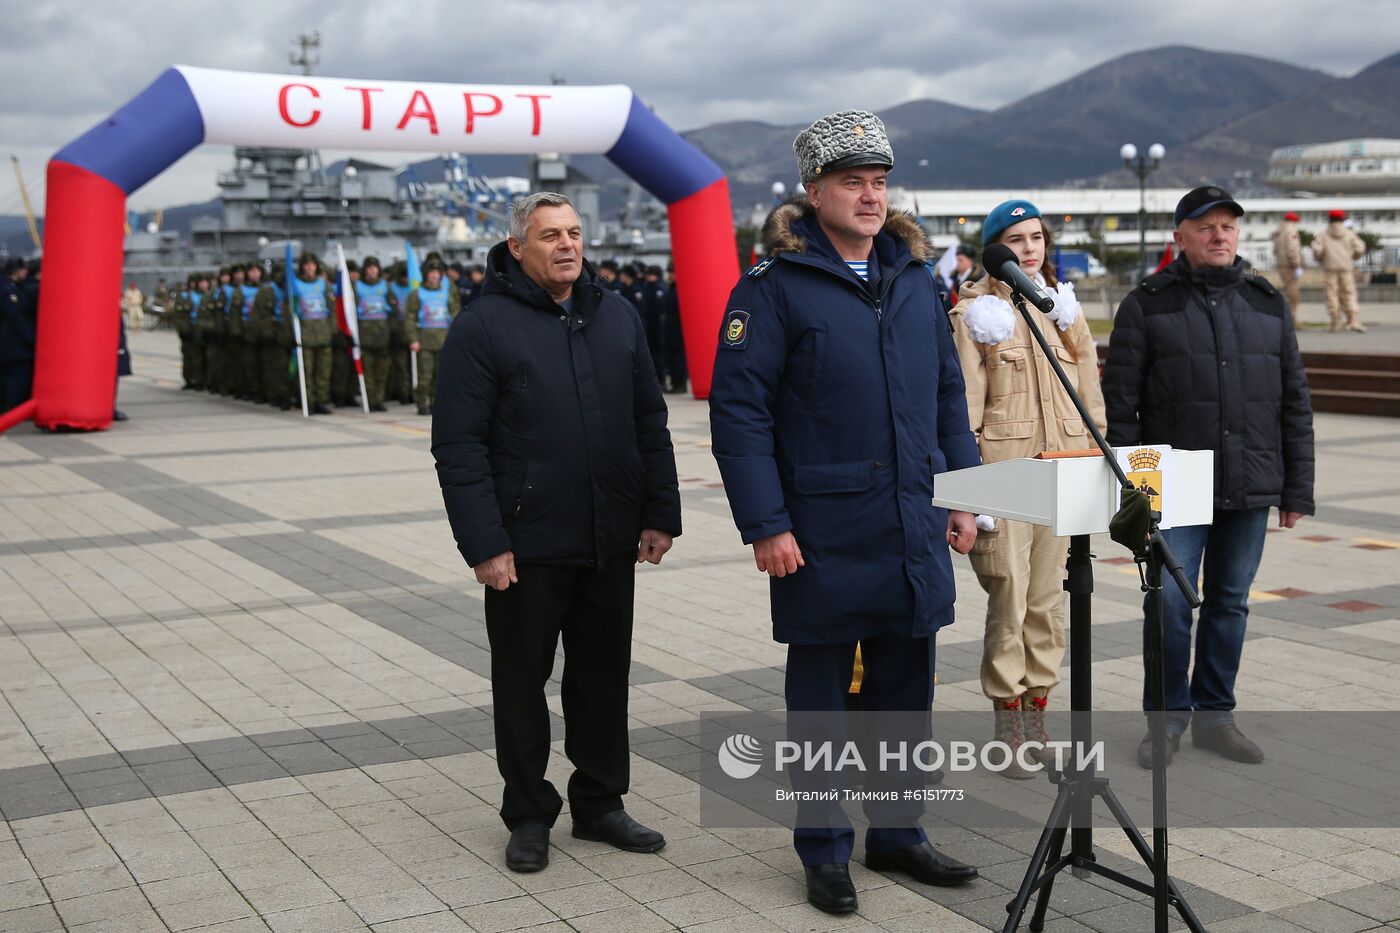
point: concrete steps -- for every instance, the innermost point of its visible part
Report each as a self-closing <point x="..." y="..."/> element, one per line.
<point x="1347" y="383"/>
<point x="1354" y="383"/>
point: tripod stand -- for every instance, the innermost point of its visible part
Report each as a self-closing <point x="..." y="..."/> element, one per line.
<point x="1071" y="813"/>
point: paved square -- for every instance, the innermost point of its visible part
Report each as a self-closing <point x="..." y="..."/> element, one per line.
<point x="244" y="680"/>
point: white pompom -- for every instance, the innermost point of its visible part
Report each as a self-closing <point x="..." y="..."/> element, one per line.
<point x="990" y="319"/>
<point x="986" y="523"/>
<point x="1066" y="310"/>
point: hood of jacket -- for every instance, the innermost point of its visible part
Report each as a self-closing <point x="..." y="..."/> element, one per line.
<point x="505" y="276"/>
<point x="783" y="231"/>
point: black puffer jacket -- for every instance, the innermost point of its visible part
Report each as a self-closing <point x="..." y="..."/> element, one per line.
<point x="549" y="429"/>
<point x="1206" y="359"/>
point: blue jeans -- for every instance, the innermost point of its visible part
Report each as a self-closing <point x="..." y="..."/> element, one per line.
<point x="1228" y="551"/>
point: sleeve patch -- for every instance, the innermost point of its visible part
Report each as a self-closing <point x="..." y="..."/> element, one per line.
<point x="736" y="330"/>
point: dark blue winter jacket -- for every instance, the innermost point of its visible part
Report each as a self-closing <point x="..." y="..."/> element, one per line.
<point x="834" y="403"/>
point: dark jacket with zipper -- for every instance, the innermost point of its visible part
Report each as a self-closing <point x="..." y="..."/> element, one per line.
<point x="835" y="402"/>
<point x="1206" y="359"/>
<point x="549" y="427"/>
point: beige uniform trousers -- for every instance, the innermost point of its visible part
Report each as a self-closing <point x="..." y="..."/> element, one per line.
<point x="1292" y="290"/>
<point x="1022" y="568"/>
<point x="1341" y="296"/>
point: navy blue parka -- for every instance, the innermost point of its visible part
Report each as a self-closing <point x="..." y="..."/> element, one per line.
<point x="834" y="403"/>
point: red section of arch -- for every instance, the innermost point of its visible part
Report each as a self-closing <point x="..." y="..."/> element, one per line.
<point x="75" y="364"/>
<point x="707" y="266"/>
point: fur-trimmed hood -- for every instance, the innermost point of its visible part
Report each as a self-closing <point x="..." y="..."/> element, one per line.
<point x="779" y="237"/>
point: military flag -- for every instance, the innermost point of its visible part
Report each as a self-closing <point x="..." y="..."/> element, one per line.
<point x="295" y="311"/>
<point x="348" y="321"/>
<point x="415" y="278"/>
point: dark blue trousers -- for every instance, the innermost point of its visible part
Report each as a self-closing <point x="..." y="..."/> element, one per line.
<point x="898" y="677"/>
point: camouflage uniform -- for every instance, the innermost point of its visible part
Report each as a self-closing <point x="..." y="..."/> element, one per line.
<point x="206" y="325"/>
<point x="400" y="367"/>
<point x="427" y="315"/>
<point x="273" y="329"/>
<point x="317" y="326"/>
<point x="373" y="313"/>
<point x="180" y="312"/>
<point x="249" y="375"/>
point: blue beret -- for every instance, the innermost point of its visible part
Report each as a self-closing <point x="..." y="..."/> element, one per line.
<point x="1006" y="214"/>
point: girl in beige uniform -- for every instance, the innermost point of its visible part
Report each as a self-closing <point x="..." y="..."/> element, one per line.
<point x="1017" y="408"/>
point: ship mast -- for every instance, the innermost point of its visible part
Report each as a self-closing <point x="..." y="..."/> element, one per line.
<point x="306" y="58"/>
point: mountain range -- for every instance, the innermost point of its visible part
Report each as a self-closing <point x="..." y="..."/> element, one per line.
<point x="1219" y="114"/>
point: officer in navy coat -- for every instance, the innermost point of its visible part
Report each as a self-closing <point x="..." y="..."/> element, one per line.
<point x="837" y="396"/>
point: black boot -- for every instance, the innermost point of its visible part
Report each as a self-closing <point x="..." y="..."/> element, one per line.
<point x="1144" y="750"/>
<point x="923" y="863"/>
<point x="528" y="849"/>
<point x="829" y="888"/>
<point x="620" y="831"/>
<point x="1227" y="741"/>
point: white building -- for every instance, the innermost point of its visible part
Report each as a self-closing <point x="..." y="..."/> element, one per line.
<point x="1351" y="166"/>
<point x="1076" y="214"/>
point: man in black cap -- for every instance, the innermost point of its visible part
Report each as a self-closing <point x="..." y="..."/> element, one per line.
<point x="18" y="325"/>
<point x="607" y="274"/>
<point x="677" y="371"/>
<point x="1203" y="357"/>
<point x="965" y="269"/>
<point x="476" y="281"/>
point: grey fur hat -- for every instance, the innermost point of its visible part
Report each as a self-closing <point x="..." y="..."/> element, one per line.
<point x="841" y="140"/>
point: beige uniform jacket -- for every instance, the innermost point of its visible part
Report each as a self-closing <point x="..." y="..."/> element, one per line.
<point x="1015" y="404"/>
<point x="1338" y="248"/>
<point x="1288" y="251"/>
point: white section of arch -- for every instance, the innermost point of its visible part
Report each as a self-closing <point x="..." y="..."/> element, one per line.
<point x="297" y="111"/>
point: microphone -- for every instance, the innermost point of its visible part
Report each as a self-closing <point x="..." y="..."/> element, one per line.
<point x="1001" y="264"/>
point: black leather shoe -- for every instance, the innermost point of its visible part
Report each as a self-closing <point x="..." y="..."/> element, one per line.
<point x="829" y="888"/>
<point x="923" y="863"/>
<point x="320" y="409"/>
<point x="119" y="416"/>
<point x="378" y="407"/>
<point x="1144" y="751"/>
<point x="528" y="849"/>
<point x="1227" y="741"/>
<point x="619" y="830"/>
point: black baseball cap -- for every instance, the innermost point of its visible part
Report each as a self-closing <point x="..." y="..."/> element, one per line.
<point x="1199" y="200"/>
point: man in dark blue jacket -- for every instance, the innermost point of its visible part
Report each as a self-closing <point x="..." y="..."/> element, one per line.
<point x="1203" y="356"/>
<point x="558" y="474"/>
<point x="837" y="397"/>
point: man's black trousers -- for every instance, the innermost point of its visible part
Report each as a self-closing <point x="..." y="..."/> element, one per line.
<point x="592" y="608"/>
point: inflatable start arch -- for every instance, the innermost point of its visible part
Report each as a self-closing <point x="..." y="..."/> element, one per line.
<point x="90" y="178"/>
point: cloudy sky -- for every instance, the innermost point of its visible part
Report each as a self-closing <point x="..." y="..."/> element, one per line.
<point x="65" y="64"/>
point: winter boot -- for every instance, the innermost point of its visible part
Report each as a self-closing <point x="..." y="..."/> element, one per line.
<point x="1010" y="729"/>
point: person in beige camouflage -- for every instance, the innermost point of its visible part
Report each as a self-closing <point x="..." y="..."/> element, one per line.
<point x="1017" y="408"/>
<point x="1338" y="248"/>
<point x="1288" y="259"/>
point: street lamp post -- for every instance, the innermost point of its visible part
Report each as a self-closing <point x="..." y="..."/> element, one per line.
<point x="1142" y="166"/>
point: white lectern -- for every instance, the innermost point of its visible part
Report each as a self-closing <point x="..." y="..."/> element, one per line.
<point x="1076" y="494"/>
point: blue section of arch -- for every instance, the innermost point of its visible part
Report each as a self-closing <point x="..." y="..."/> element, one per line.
<point x="142" y="139"/>
<point x="659" y="159"/>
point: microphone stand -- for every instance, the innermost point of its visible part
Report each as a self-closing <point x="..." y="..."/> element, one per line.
<point x="1074" y="799"/>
